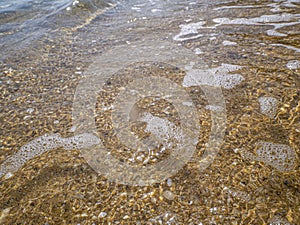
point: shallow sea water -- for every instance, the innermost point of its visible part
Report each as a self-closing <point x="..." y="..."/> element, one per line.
<point x="193" y="106"/>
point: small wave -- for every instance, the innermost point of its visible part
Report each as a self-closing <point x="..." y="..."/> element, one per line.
<point x="21" y="22"/>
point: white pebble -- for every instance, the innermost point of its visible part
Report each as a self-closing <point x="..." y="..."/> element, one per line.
<point x="30" y="110"/>
<point x="168" y="195"/>
<point x="102" y="214"/>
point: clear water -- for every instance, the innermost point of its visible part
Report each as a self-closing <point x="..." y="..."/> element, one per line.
<point x="150" y="112"/>
<point x="23" y="21"/>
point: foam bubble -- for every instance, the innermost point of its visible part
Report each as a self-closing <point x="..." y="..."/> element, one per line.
<point x="218" y="77"/>
<point x="281" y="157"/>
<point x="163" y="129"/>
<point x="293" y="64"/>
<point x="268" y="106"/>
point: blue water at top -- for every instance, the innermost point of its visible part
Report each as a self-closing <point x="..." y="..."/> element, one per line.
<point x="22" y="21"/>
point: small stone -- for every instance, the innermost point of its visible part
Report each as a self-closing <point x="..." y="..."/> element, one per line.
<point x="102" y="215"/>
<point x="8" y="175"/>
<point x="236" y="150"/>
<point x="26" y="117"/>
<point x="168" y="195"/>
<point x="198" y="51"/>
<point x="30" y="110"/>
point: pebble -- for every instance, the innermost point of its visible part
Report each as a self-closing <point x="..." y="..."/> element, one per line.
<point x="168" y="195"/>
<point x="30" y="110"/>
<point x="102" y="215"/>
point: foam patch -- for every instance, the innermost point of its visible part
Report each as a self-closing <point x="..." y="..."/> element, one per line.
<point x="293" y="64"/>
<point x="163" y="129"/>
<point x="268" y="106"/>
<point x="276" y="20"/>
<point x="43" y="144"/>
<point x="287" y="46"/>
<point x="226" y="43"/>
<point x="236" y="7"/>
<point x="218" y="77"/>
<point x="189" y="31"/>
<point x="281" y="157"/>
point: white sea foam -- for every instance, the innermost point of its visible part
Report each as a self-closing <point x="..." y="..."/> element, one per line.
<point x="277" y="5"/>
<point x="290" y="3"/>
<point x="215" y="108"/>
<point x="293" y="64"/>
<point x="287" y="46"/>
<point x="268" y="106"/>
<point x="218" y="77"/>
<point x="275" y="20"/>
<point x="42" y="144"/>
<point x="135" y="8"/>
<point x="80" y="141"/>
<point x="226" y="43"/>
<point x="280" y="156"/>
<point x="163" y="129"/>
<point x="236" y="7"/>
<point x="187" y="103"/>
<point x="189" y="31"/>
